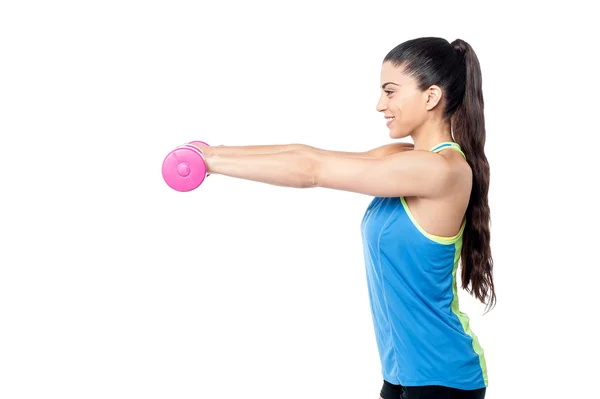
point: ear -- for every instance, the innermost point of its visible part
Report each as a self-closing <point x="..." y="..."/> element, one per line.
<point x="433" y="97"/>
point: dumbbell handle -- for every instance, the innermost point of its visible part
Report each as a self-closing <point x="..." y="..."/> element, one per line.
<point x="201" y="154"/>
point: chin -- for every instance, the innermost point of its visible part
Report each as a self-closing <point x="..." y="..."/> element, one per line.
<point x="398" y="135"/>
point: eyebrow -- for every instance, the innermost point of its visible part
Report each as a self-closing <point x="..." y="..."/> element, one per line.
<point x="389" y="83"/>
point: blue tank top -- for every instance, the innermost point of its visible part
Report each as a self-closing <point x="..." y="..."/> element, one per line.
<point x="422" y="336"/>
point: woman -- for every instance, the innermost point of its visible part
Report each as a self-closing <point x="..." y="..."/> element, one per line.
<point x="430" y="209"/>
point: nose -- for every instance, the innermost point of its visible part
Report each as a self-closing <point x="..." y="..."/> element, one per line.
<point x="381" y="104"/>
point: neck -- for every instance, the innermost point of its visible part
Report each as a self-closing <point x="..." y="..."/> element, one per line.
<point x="431" y="133"/>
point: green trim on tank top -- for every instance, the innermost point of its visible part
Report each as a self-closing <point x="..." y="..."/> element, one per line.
<point x="439" y="239"/>
<point x="448" y="144"/>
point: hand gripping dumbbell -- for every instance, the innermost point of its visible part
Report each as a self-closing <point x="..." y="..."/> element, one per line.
<point x="184" y="168"/>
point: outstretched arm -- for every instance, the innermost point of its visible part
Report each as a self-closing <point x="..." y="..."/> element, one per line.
<point x="405" y="173"/>
<point x="379" y="152"/>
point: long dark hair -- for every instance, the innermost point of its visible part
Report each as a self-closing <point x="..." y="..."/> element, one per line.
<point x="455" y="68"/>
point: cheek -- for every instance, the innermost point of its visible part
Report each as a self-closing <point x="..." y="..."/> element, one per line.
<point x="398" y="108"/>
<point x="409" y="112"/>
<point x="404" y="113"/>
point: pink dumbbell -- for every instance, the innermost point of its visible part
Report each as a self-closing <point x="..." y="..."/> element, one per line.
<point x="184" y="168"/>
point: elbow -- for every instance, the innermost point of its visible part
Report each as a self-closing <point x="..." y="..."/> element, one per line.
<point x="308" y="168"/>
<point x="311" y="181"/>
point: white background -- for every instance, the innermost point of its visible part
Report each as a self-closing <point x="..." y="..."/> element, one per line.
<point x="112" y="285"/>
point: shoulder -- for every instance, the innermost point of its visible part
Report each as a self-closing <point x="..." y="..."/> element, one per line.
<point x="445" y="171"/>
<point x="457" y="170"/>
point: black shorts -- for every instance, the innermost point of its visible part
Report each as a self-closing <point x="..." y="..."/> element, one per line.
<point x="392" y="391"/>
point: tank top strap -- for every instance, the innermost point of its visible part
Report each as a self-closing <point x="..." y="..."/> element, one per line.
<point x="448" y="144"/>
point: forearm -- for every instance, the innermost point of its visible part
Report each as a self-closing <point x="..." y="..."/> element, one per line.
<point x="288" y="168"/>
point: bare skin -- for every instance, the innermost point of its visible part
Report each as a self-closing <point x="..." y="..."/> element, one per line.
<point x="378" y="152"/>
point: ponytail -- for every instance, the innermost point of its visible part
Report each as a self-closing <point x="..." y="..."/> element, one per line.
<point x="468" y="129"/>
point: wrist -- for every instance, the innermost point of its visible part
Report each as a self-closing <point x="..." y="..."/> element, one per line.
<point x="206" y="151"/>
<point x="207" y="154"/>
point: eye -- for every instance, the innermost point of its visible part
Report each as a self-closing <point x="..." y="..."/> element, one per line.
<point x="388" y="92"/>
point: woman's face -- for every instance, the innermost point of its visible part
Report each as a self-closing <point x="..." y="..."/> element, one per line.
<point x="402" y="100"/>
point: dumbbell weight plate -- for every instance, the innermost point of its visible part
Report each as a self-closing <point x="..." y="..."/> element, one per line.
<point x="184" y="169"/>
